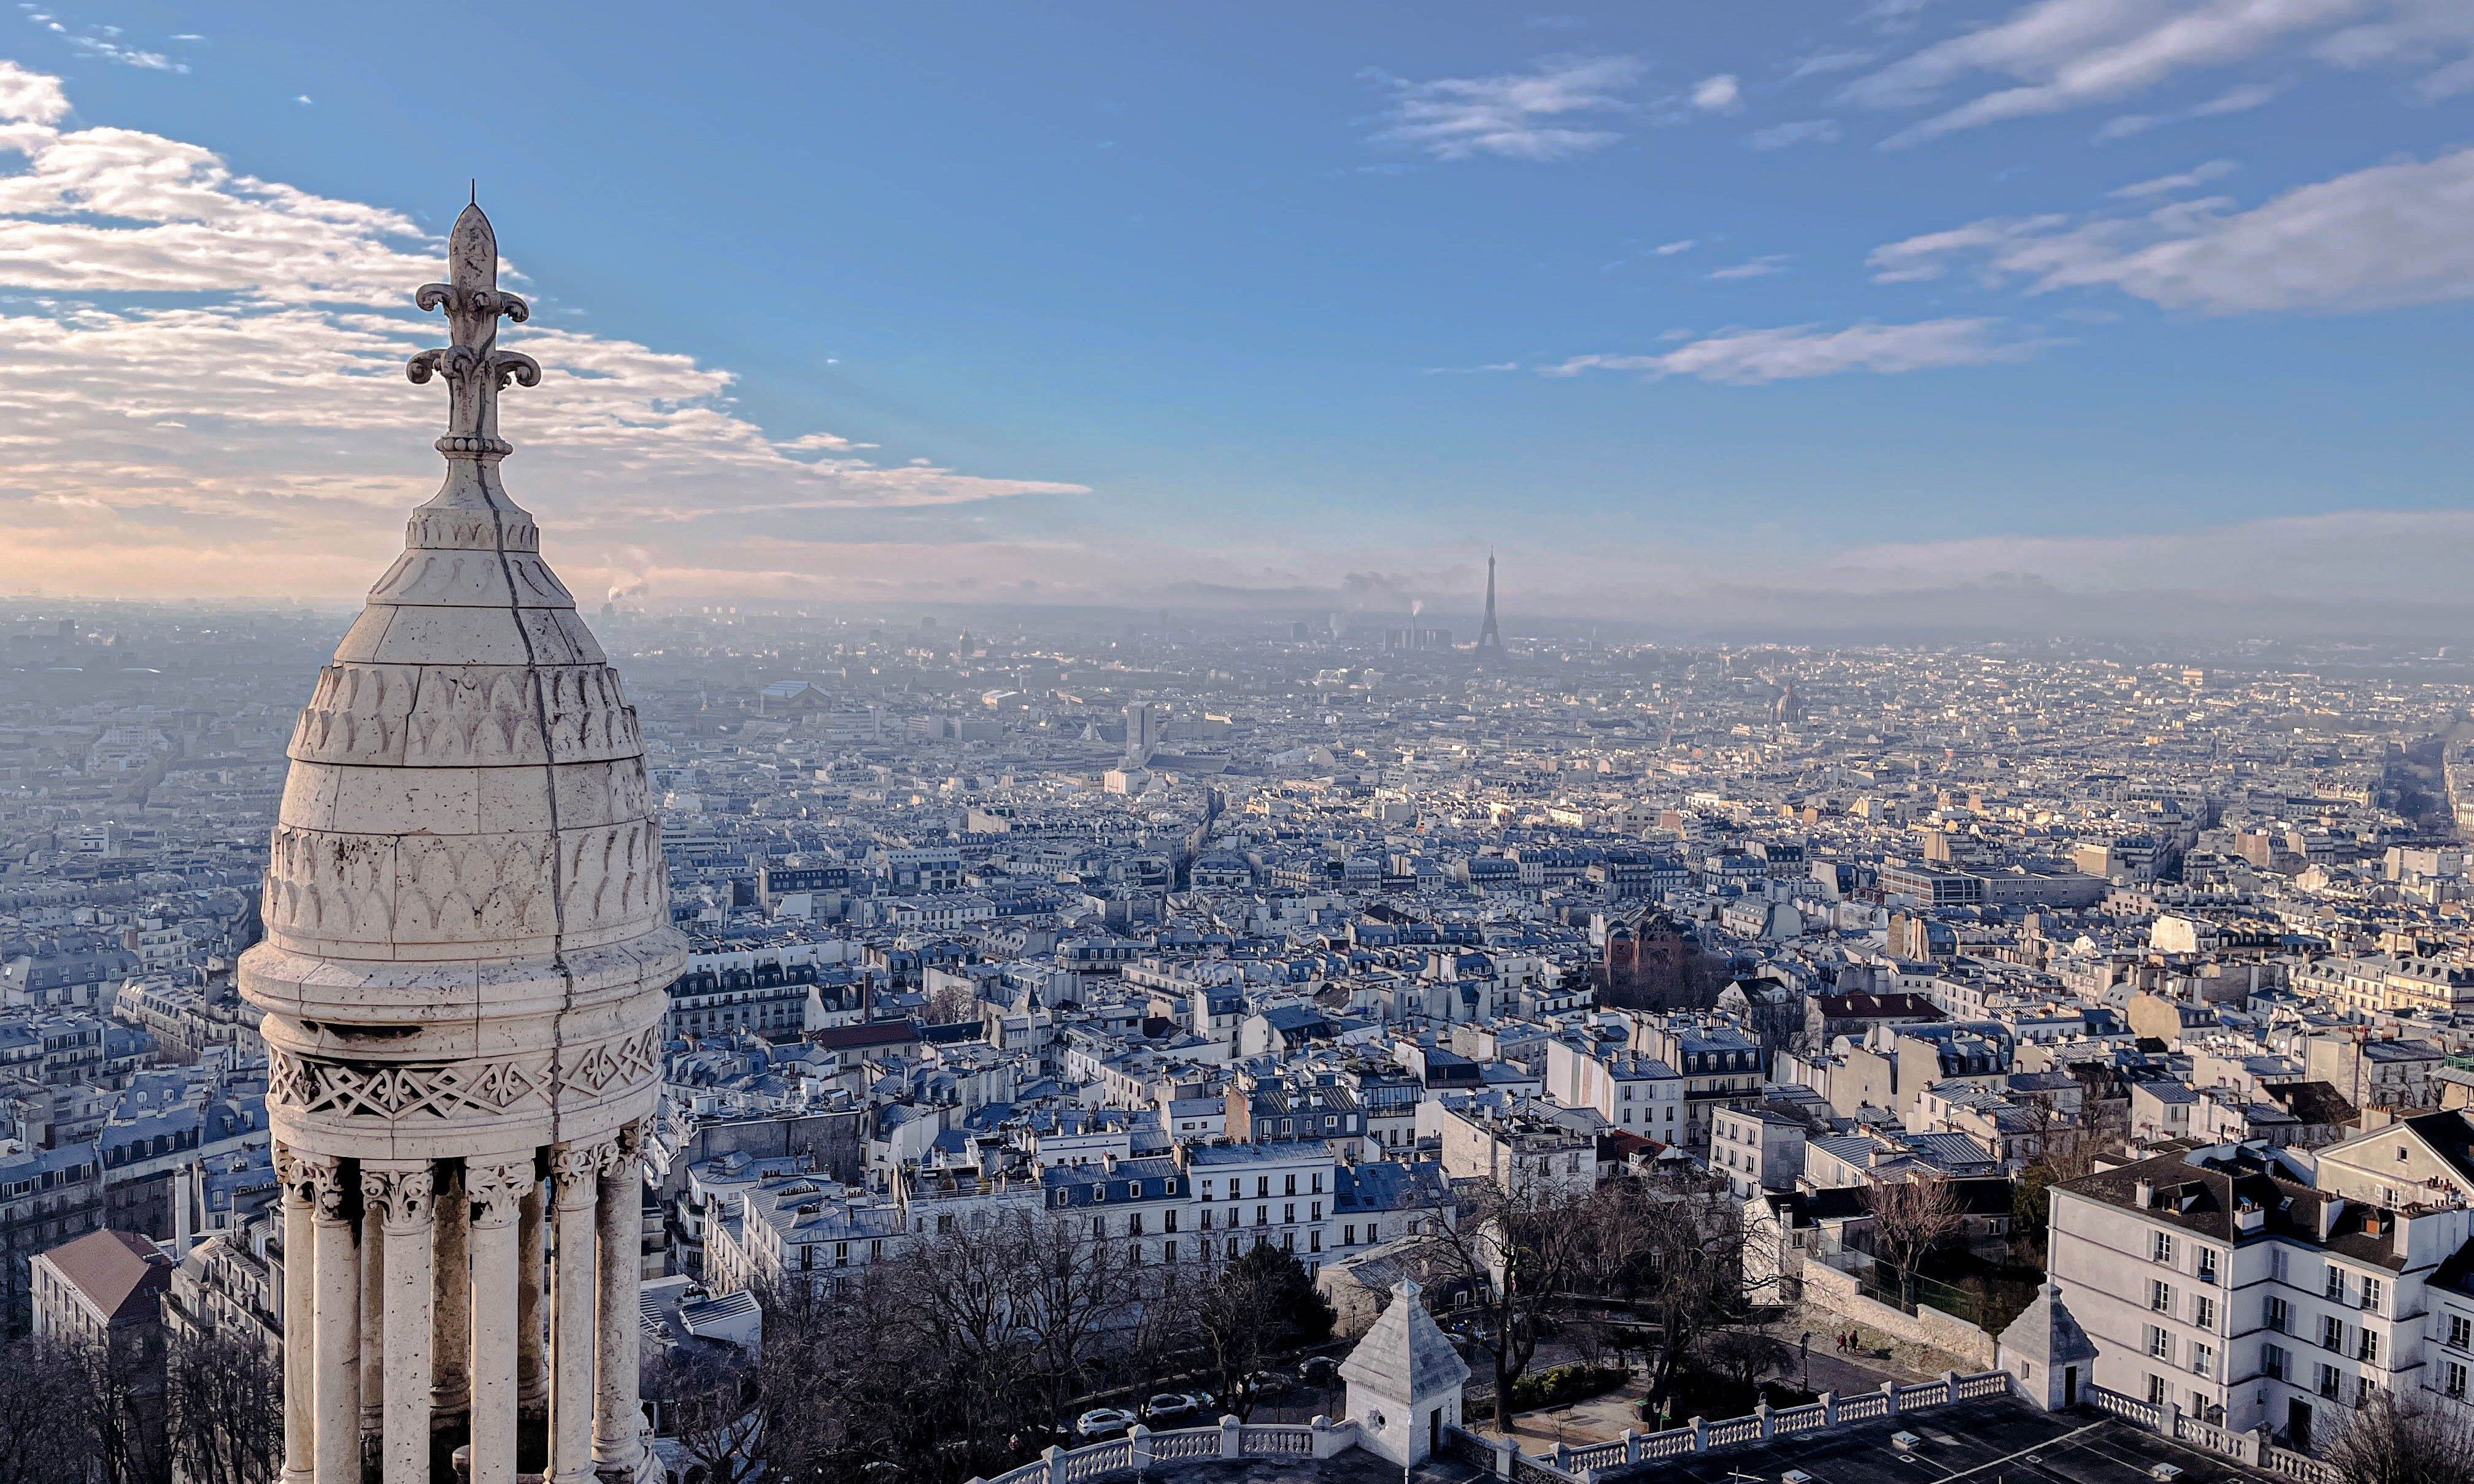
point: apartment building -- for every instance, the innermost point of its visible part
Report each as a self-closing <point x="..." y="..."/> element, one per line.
<point x="2226" y="1281"/>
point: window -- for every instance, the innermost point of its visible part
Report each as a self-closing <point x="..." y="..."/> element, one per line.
<point x="1206" y="1218"/>
<point x="2332" y="1333"/>
<point x="2156" y="1390"/>
<point x="1099" y="1226"/>
<point x="2160" y="1298"/>
<point x="1133" y="1223"/>
<point x="1288" y="1212"/>
<point x="2203" y="1359"/>
<point x="2204" y="1312"/>
<point x="2336" y="1284"/>
<point x="1293" y="1186"/>
<point x="1348" y="1236"/>
<point x="1317" y="1212"/>
<point x="1314" y="1240"/>
<point x="1168" y="1249"/>
<point x="2370" y="1350"/>
<point x="2163" y="1249"/>
<point x="2370" y="1292"/>
<point x="2461" y="1331"/>
<point x="2160" y="1343"/>
<point x="2280" y="1315"/>
<point x="2207" y="1264"/>
<point x="1262" y="1216"/>
<point x="2273" y="1362"/>
<point x="2452" y="1379"/>
<point x="2329" y="1380"/>
<point x="1371" y="1237"/>
<point x="1168" y="1223"/>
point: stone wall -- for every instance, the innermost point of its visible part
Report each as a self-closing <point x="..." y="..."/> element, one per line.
<point x="1952" y="1335"/>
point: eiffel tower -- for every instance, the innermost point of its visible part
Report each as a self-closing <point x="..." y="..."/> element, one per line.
<point x="1489" y="636"/>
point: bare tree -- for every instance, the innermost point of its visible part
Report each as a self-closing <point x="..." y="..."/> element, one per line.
<point x="1910" y="1219"/>
<point x="1254" y="1308"/>
<point x="1069" y="1290"/>
<point x="1744" y="1354"/>
<point x="712" y="1405"/>
<point x="120" y="1393"/>
<point x="42" y="1436"/>
<point x="1160" y="1325"/>
<point x="1672" y="1254"/>
<point x="1517" y="1249"/>
<point x="223" y="1409"/>
<point x="2391" y="1440"/>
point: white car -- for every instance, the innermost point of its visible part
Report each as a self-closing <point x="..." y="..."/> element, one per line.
<point x="1104" y="1422"/>
<point x="1170" y="1404"/>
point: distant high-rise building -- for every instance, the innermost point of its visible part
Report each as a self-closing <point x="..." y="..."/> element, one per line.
<point x="1144" y="723"/>
<point x="1489" y="636"/>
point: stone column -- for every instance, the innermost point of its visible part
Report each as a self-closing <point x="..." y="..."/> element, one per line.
<point x="450" y="1390"/>
<point x="615" y="1418"/>
<point x="300" y="1317"/>
<point x="399" y="1198"/>
<point x="338" y="1361"/>
<point x="532" y="1377"/>
<point x="575" y="1171"/>
<point x="496" y="1192"/>
<point x="373" y="1322"/>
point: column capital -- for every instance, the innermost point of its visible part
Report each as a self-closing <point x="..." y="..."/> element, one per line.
<point x="624" y="1148"/>
<point x="321" y="1179"/>
<point x="573" y="1168"/>
<point x="498" y="1191"/>
<point x="403" y="1197"/>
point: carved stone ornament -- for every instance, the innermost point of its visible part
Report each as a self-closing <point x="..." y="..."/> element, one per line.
<point x="498" y="1191"/>
<point x="401" y="1198"/>
<point x="456" y="1088"/>
<point x="477" y="370"/>
<point x="573" y="1170"/>
<point x="625" y="1152"/>
<point x="328" y="1190"/>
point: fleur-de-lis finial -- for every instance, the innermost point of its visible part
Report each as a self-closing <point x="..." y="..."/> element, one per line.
<point x="475" y="368"/>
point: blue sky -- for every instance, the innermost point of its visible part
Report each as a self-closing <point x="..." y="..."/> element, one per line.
<point x="1272" y="305"/>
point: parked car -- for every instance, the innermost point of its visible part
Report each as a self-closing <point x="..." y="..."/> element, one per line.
<point x="1318" y="1371"/>
<point x="1170" y="1405"/>
<point x="1104" y="1422"/>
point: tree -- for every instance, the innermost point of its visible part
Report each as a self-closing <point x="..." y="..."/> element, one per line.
<point x="1070" y="1291"/>
<point x="1672" y="1254"/>
<point x="1158" y="1326"/>
<point x="42" y="1437"/>
<point x="1912" y="1217"/>
<point x="1517" y="1247"/>
<point x="1744" y="1355"/>
<point x="712" y="1403"/>
<point x="1255" y="1308"/>
<point x="2393" y="1441"/>
<point x="224" y="1409"/>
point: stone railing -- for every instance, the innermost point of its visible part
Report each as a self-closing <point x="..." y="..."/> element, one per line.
<point x="1581" y="1464"/>
<point x="2252" y="1448"/>
<point x="1139" y="1450"/>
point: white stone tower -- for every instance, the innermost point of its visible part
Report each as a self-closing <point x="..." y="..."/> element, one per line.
<point x="468" y="949"/>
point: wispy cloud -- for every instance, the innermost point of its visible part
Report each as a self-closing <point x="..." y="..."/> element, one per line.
<point x="2389" y="235"/>
<point x="2169" y="185"/>
<point x="103" y="43"/>
<point x="2233" y="100"/>
<point x="1670" y="249"/>
<point x="2058" y="55"/>
<point x="1819" y="63"/>
<point x="1761" y="267"/>
<point x="1472" y="371"/>
<point x="1750" y="357"/>
<point x="1720" y="94"/>
<point x="1555" y="110"/>
<point x="1779" y="136"/>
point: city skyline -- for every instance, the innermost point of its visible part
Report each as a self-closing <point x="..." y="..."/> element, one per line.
<point x="2082" y="315"/>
